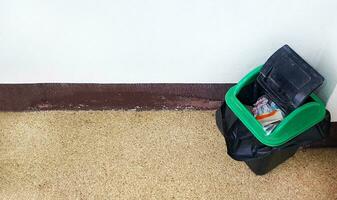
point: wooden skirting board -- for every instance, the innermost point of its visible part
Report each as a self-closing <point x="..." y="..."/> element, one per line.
<point x="28" y="97"/>
<point x="64" y="96"/>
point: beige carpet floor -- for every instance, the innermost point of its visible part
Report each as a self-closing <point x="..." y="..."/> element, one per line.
<point x="143" y="155"/>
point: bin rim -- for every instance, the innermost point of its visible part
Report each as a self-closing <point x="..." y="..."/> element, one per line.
<point x="295" y="123"/>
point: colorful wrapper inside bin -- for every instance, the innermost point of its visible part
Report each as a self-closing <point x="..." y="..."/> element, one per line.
<point x="267" y="113"/>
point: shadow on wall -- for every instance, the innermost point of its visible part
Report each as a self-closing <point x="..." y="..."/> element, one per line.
<point x="327" y="66"/>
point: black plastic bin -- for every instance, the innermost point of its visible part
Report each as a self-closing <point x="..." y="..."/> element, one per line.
<point x="242" y="144"/>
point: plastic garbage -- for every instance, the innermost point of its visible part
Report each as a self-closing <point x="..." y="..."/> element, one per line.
<point x="267" y="113"/>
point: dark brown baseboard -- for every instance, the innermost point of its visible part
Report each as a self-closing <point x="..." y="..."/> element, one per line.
<point x="33" y="97"/>
<point x="30" y="97"/>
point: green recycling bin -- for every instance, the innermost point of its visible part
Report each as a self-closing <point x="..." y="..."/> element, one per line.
<point x="289" y="81"/>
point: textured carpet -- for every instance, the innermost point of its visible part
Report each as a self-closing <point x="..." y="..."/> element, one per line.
<point x="143" y="155"/>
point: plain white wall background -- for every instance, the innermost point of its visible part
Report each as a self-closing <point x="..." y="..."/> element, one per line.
<point x="158" y="41"/>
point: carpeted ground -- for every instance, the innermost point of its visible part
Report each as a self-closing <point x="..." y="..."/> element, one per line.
<point x="143" y="155"/>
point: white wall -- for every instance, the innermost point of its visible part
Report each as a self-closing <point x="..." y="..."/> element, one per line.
<point x="159" y="41"/>
<point x="332" y="105"/>
<point x="327" y="66"/>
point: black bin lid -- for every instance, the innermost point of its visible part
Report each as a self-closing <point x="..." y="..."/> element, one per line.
<point x="287" y="79"/>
